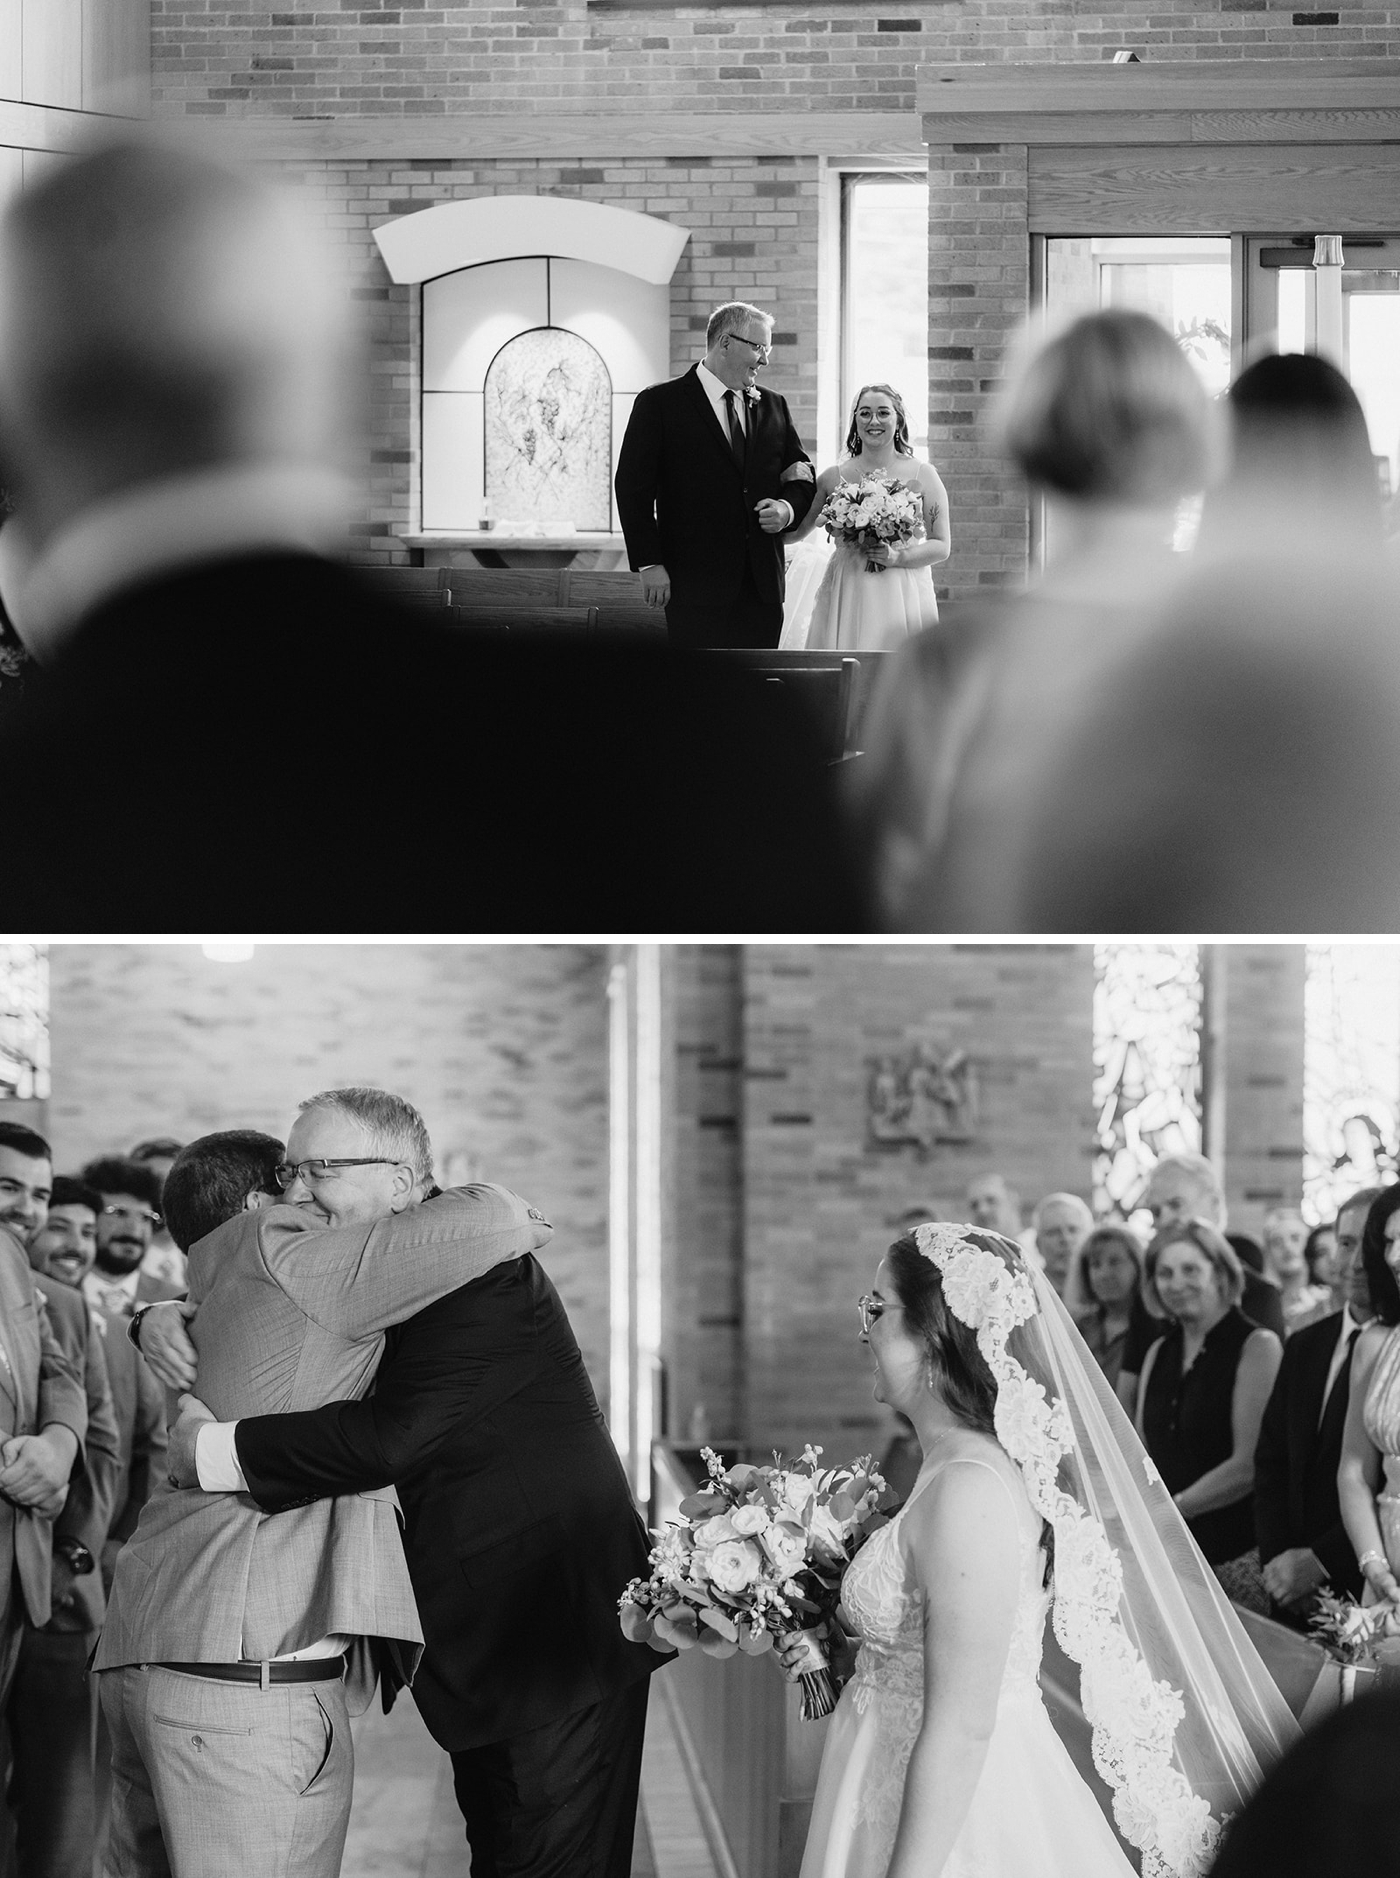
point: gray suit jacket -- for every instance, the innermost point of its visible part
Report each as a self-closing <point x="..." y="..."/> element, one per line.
<point x="292" y="1314"/>
<point x="92" y="1501"/>
<point x="38" y="1385"/>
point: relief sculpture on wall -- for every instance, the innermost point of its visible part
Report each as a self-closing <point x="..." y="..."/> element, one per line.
<point x="925" y="1098"/>
<point x="549" y="431"/>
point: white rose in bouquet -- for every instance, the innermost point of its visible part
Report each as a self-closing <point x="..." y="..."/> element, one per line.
<point x="735" y="1564"/>
<point x="749" y="1519"/>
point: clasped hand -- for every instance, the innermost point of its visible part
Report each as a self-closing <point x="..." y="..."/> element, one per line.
<point x="181" y="1458"/>
<point x="802" y="1652"/>
<point x="34" y="1472"/>
<point x="166" y="1345"/>
<point x="1293" y="1575"/>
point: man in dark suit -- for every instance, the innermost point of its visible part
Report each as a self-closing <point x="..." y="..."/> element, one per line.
<point x="173" y="396"/>
<point x="1303" y="1544"/>
<point x="520" y="1533"/>
<point x="52" y="1793"/>
<point x="710" y="477"/>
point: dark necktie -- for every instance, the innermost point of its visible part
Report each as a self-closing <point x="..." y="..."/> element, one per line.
<point x="736" y="429"/>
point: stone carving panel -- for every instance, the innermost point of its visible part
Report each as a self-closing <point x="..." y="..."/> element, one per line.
<point x="549" y="431"/>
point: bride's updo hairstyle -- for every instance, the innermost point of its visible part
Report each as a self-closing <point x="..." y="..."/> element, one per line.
<point x="1381" y="1280"/>
<point x="902" y="445"/>
<point x="959" y="1368"/>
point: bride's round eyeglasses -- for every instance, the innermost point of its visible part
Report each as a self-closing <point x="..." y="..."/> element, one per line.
<point x="869" y="1308"/>
<point x="760" y="352"/>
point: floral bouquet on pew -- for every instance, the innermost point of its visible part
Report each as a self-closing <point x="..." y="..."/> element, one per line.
<point x="759" y="1552"/>
<point x="1351" y="1631"/>
<point x="872" y="513"/>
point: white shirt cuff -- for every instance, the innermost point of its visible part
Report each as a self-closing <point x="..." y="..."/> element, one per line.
<point x="216" y="1459"/>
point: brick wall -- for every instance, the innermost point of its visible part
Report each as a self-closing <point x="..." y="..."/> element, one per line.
<point x="755" y="238"/>
<point x="821" y="1204"/>
<point x="1263" y="1037"/>
<point x="400" y="59"/>
<point x="504" y="1049"/>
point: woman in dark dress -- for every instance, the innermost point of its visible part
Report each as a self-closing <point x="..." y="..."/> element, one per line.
<point x="1110" y="1272"/>
<point x="1201" y="1398"/>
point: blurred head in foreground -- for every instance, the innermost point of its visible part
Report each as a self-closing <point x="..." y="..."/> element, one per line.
<point x="1300" y="458"/>
<point x="160" y="315"/>
<point x="1108" y="413"/>
<point x="1329" y="1808"/>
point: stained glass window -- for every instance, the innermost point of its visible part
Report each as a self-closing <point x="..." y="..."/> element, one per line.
<point x="1147" y="1066"/>
<point x="549" y="431"/>
<point x="24" y="1022"/>
<point x="1351" y="1073"/>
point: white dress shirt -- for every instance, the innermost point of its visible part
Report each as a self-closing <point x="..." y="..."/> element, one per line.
<point x="157" y="528"/>
<point x="117" y="1295"/>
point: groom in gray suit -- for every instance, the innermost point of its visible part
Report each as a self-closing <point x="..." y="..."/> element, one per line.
<point x="238" y="1646"/>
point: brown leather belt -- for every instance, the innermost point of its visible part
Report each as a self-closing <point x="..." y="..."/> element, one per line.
<point x="309" y="1669"/>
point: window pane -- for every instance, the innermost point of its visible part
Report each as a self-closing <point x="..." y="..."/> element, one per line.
<point x="1147" y="1066"/>
<point x="887" y="338"/>
<point x="1351" y="1073"/>
<point x="24" y="1023"/>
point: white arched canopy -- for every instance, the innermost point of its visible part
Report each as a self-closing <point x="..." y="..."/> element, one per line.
<point x="462" y="234"/>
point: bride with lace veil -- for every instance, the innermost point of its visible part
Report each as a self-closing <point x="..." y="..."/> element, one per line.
<point x="1035" y="1498"/>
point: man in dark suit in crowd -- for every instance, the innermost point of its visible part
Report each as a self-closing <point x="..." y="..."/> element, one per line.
<point x="710" y="477"/>
<point x="519" y="1529"/>
<point x="1303" y="1544"/>
<point x="175" y="390"/>
<point x="51" y="1792"/>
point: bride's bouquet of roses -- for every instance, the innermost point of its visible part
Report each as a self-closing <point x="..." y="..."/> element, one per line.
<point x="871" y="513"/>
<point x="759" y="1552"/>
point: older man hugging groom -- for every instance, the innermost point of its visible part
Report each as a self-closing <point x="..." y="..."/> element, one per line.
<point x="242" y="1607"/>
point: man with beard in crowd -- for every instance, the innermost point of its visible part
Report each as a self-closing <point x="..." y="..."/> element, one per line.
<point x="126" y="1226"/>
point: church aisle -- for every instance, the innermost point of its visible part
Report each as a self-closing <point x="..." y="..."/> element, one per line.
<point x="404" y="1822"/>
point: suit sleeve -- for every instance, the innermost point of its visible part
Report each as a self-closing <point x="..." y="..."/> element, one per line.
<point x="62" y="1391"/>
<point x="357" y="1281"/>
<point x="89" y="1512"/>
<point x="797" y="494"/>
<point x="429" y="1387"/>
<point x="1271" y="1467"/>
<point x="147" y="1469"/>
<point x="638" y="479"/>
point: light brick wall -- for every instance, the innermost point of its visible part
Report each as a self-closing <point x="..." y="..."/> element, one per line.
<point x="232" y="58"/>
<point x="1263" y="1080"/>
<point x="503" y="1048"/>
<point x="821" y="1204"/>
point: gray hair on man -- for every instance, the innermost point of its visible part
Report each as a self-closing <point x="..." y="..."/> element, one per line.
<point x="392" y="1126"/>
<point x="729" y="318"/>
<point x="1071" y="1201"/>
<point x="1202" y="1174"/>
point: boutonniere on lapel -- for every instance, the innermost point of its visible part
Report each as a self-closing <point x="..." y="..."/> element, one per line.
<point x="752" y="396"/>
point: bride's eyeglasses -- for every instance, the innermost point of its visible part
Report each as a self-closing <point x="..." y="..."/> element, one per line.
<point x="869" y="1308"/>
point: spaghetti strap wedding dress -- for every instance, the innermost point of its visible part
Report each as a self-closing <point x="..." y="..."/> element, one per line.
<point x="857" y="611"/>
<point x="1031" y="1816"/>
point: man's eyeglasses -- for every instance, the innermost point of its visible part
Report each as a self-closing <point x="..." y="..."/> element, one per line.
<point x="870" y="1308"/>
<point x="760" y="352"/>
<point x="289" y="1172"/>
<point x="133" y="1216"/>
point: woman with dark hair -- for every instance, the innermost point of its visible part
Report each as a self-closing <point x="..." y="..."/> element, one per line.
<point x="941" y="1756"/>
<point x="872" y="600"/>
<point x="1201" y="1397"/>
<point x="1110" y="1272"/>
<point x="1368" y="1480"/>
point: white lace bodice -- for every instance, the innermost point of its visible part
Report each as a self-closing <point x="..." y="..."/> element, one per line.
<point x="886" y="1609"/>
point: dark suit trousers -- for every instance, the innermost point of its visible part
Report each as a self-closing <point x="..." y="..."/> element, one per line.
<point x="52" y="1724"/>
<point x="560" y="1801"/>
<point x="749" y="619"/>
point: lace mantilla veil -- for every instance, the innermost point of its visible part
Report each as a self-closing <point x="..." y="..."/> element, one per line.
<point x="1185" y="1718"/>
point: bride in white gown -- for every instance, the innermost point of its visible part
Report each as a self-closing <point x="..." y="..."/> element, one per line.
<point x="855" y="610"/>
<point x="941" y="1759"/>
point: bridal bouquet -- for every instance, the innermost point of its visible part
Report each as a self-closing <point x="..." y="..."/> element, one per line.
<point x="871" y="512"/>
<point x="760" y="1551"/>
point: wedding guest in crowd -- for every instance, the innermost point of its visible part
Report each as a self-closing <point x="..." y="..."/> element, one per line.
<point x="1110" y="1271"/>
<point x="1303" y="1544"/>
<point x="1180" y="1187"/>
<point x="175" y="365"/>
<point x="126" y="1226"/>
<point x="1285" y="1250"/>
<point x="163" y="1259"/>
<point x="1370" y="1460"/>
<point x="993" y="1205"/>
<point x="1108" y="421"/>
<point x="1061" y="1223"/>
<point x="1201" y="1395"/>
<point x="51" y="1790"/>
<point x="1328" y="1808"/>
<point x="1321" y="1256"/>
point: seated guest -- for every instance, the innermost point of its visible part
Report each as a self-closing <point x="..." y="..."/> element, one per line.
<point x="1285" y="1251"/>
<point x="1303" y="1544"/>
<point x="175" y="387"/>
<point x="1109" y="1273"/>
<point x="1108" y="422"/>
<point x="1201" y="1397"/>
